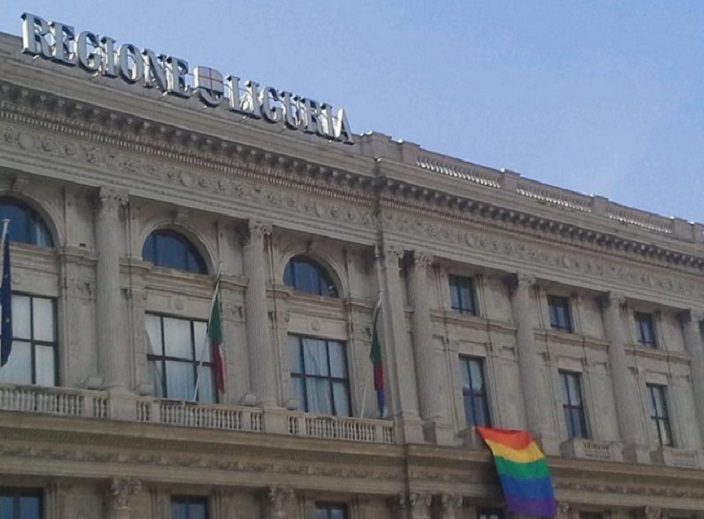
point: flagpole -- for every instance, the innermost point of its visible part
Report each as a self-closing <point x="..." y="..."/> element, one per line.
<point x="205" y="339"/>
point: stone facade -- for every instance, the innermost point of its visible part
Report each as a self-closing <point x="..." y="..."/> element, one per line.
<point x="105" y="164"/>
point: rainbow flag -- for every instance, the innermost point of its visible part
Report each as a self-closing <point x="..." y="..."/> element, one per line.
<point x="377" y="364"/>
<point x="523" y="471"/>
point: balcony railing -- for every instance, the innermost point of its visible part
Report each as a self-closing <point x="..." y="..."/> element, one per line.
<point x="102" y="405"/>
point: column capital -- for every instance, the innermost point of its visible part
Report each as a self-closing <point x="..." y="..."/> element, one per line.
<point x="564" y="510"/>
<point x="521" y="281"/>
<point x="391" y="255"/>
<point x="613" y="299"/>
<point x="275" y="500"/>
<point x="692" y="315"/>
<point x="420" y="505"/>
<point x="652" y="512"/>
<point x="449" y="505"/>
<point x="111" y="199"/>
<point x="422" y="259"/>
<point x="120" y="491"/>
<point x="256" y="230"/>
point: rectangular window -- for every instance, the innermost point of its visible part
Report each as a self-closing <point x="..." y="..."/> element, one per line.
<point x="572" y="405"/>
<point x="330" y="511"/>
<point x="20" y="504"/>
<point x="645" y="329"/>
<point x="319" y="375"/>
<point x="177" y="354"/>
<point x="559" y="309"/>
<point x="490" y="513"/>
<point x="462" y="295"/>
<point x="659" y="416"/>
<point x="34" y="345"/>
<point x="474" y="393"/>
<point x="189" y="507"/>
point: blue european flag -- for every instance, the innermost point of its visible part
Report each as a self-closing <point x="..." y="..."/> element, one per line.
<point x="6" y="303"/>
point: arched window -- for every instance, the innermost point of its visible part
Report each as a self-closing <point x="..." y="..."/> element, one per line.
<point x="26" y="226"/>
<point x="305" y="275"/>
<point x="170" y="249"/>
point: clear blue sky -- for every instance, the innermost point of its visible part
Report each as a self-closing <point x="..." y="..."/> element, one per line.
<point x="601" y="96"/>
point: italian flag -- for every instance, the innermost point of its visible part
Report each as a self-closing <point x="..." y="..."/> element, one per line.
<point x="215" y="339"/>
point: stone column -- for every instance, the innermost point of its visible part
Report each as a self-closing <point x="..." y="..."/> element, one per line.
<point x="564" y="510"/>
<point x="119" y="494"/>
<point x="402" y="396"/>
<point x="625" y="394"/>
<point x="274" y="502"/>
<point x="431" y="394"/>
<point x="114" y="360"/>
<point x="691" y="322"/>
<point x="535" y="395"/>
<point x="449" y="504"/>
<point x="262" y="357"/>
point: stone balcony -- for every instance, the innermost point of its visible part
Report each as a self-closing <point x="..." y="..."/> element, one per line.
<point x="126" y="407"/>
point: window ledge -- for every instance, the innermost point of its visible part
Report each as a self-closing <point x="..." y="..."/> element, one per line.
<point x="673" y="457"/>
<point x="587" y="449"/>
<point x="470" y="438"/>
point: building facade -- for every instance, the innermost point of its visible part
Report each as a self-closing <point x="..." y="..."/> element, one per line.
<point x="504" y="302"/>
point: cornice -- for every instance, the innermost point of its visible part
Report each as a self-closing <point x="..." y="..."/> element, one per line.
<point x="238" y="161"/>
<point x="168" y="142"/>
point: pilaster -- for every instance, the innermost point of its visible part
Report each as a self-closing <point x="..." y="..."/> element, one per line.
<point x="449" y="505"/>
<point x="114" y="360"/>
<point x="397" y="349"/>
<point x="275" y="501"/>
<point x="431" y="386"/>
<point x="532" y="381"/>
<point x="627" y="411"/>
<point x="691" y="323"/>
<point x="260" y="348"/>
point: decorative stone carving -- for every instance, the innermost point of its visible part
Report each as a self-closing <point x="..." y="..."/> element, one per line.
<point x="257" y="230"/>
<point x="275" y="500"/>
<point x="564" y="511"/>
<point x="521" y="281"/>
<point x="419" y="505"/>
<point x="422" y="259"/>
<point x="449" y="504"/>
<point x="111" y="199"/>
<point x="118" y="495"/>
<point x="652" y="512"/>
<point x="391" y="255"/>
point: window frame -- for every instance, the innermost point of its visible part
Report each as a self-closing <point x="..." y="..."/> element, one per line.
<point x="189" y="500"/>
<point x="456" y="284"/>
<point x="326" y="286"/>
<point x="469" y="396"/>
<point x="17" y="493"/>
<point x="645" y="325"/>
<point x="331" y="380"/>
<point x="163" y="358"/>
<point x="327" y="507"/>
<point x="560" y="313"/>
<point x="569" y="407"/>
<point x="656" y="418"/>
<point x="189" y="249"/>
<point x="34" y="342"/>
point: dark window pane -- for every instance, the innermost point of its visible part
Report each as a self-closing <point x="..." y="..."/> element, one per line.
<point x="26" y="226"/>
<point x="474" y="393"/>
<point x="169" y="249"/>
<point x="559" y="310"/>
<point x="572" y="405"/>
<point x="659" y="416"/>
<point x="462" y="295"/>
<point x="305" y="275"/>
<point x="645" y="329"/>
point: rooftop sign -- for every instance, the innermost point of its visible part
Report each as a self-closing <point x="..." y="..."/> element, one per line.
<point x="102" y="55"/>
